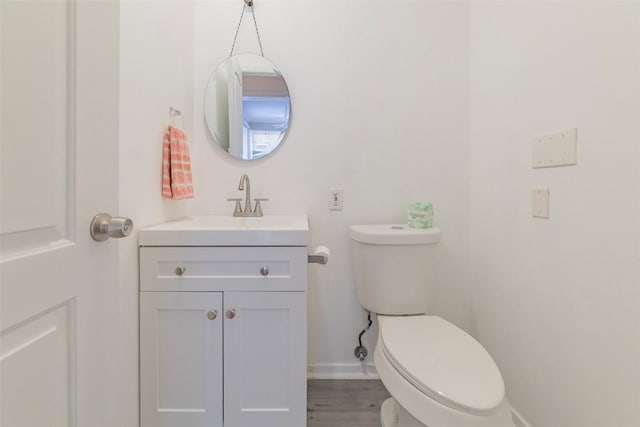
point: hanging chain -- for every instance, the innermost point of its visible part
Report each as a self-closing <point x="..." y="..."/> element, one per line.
<point x="237" y="31"/>
<point x="255" y="23"/>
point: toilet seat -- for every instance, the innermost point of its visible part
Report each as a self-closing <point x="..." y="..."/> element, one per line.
<point x="443" y="362"/>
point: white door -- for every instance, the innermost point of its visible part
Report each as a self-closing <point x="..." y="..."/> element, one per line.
<point x="265" y="359"/>
<point x="181" y="359"/>
<point x="59" y="127"/>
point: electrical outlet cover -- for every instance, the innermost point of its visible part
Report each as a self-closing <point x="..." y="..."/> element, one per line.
<point x="335" y="199"/>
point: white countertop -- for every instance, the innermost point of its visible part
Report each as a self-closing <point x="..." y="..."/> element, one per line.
<point x="226" y="230"/>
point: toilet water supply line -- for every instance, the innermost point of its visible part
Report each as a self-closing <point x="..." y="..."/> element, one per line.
<point x="361" y="351"/>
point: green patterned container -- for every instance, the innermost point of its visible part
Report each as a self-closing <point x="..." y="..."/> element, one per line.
<point x="420" y="215"/>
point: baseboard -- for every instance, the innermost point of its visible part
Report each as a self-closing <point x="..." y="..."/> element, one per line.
<point x="518" y="420"/>
<point x="342" y="371"/>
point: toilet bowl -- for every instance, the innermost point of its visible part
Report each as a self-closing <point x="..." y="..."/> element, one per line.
<point x="437" y="374"/>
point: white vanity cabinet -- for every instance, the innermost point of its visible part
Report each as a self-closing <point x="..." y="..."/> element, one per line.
<point x="223" y="336"/>
<point x="181" y="380"/>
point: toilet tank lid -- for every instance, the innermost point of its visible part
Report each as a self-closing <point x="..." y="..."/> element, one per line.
<point x="394" y="234"/>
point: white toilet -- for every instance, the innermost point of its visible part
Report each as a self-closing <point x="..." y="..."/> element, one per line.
<point x="437" y="374"/>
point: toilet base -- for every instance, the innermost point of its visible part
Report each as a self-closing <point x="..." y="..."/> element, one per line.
<point x="394" y="415"/>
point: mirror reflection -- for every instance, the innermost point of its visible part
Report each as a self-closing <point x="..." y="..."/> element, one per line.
<point x="247" y="106"/>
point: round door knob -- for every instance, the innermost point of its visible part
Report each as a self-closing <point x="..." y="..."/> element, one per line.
<point x="264" y="270"/>
<point x="231" y="313"/>
<point x="104" y="226"/>
<point x="180" y="270"/>
<point x="212" y="314"/>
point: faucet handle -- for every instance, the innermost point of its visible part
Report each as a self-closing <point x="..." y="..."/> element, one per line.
<point x="238" y="209"/>
<point x="258" y="208"/>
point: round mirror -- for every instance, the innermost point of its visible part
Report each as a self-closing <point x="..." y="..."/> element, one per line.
<point x="247" y="106"/>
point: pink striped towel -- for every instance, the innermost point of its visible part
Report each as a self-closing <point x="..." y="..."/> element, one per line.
<point x="177" y="182"/>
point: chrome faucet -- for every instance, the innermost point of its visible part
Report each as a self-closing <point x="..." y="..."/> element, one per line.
<point x="247" y="199"/>
<point x="238" y="211"/>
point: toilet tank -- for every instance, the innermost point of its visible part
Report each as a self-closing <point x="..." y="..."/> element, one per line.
<point x="394" y="267"/>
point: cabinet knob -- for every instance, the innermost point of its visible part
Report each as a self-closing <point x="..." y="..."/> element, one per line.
<point x="212" y="314"/>
<point x="231" y="313"/>
<point x="264" y="270"/>
<point x="180" y="270"/>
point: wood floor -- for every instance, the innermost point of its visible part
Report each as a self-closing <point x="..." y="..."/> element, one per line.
<point x="344" y="403"/>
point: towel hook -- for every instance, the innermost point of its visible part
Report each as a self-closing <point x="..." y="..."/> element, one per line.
<point x="172" y="115"/>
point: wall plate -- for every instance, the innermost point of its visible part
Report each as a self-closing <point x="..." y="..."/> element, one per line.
<point x="540" y="202"/>
<point x="335" y="199"/>
<point x="555" y="149"/>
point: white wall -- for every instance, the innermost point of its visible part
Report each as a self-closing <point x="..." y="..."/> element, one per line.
<point x="380" y="94"/>
<point x="380" y="108"/>
<point x="156" y="71"/>
<point x="556" y="301"/>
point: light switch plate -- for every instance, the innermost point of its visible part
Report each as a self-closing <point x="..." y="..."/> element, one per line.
<point x="555" y="149"/>
<point x="540" y="202"/>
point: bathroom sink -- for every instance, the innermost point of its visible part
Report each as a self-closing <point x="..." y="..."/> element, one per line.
<point x="226" y="230"/>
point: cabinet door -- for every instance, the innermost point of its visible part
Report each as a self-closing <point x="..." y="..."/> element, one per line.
<point x="265" y="354"/>
<point x="180" y="359"/>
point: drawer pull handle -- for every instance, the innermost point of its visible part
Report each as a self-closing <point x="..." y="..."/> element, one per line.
<point x="212" y="314"/>
<point x="180" y="270"/>
<point x="231" y="313"/>
<point x="264" y="270"/>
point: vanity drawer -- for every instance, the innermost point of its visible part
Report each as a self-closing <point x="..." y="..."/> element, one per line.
<point x="201" y="269"/>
